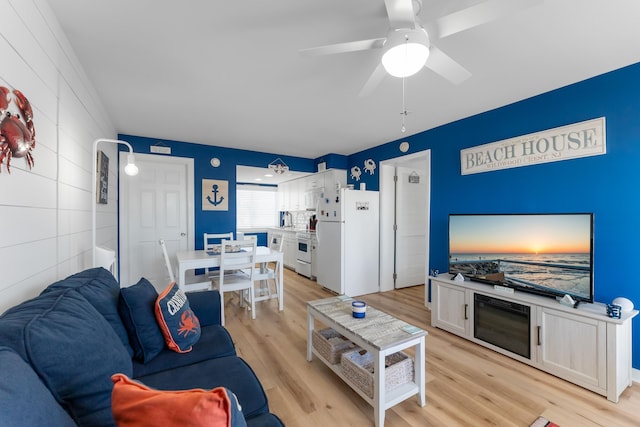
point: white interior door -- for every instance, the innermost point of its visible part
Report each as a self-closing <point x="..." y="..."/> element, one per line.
<point x="411" y="226"/>
<point x="156" y="204"/>
<point x="399" y="251"/>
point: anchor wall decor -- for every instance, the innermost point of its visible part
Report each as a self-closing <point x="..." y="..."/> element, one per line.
<point x="215" y="195"/>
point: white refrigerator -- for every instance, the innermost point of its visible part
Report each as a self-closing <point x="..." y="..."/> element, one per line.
<point x="348" y="241"/>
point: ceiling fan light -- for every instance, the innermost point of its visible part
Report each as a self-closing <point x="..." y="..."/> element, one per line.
<point x="405" y="51"/>
<point x="405" y="59"/>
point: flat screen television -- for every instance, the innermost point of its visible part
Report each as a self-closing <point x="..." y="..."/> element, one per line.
<point x="546" y="254"/>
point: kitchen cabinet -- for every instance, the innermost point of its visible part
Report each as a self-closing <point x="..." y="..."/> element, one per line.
<point x="289" y="194"/>
<point x="314" y="257"/>
<point x="581" y="345"/>
<point x="289" y="248"/>
<point x="296" y="195"/>
<point x="283" y="193"/>
<point x="302" y="193"/>
<point x="315" y="181"/>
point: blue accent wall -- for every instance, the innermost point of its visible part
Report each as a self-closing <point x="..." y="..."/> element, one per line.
<point x="332" y="161"/>
<point x="216" y="221"/>
<point x="606" y="185"/>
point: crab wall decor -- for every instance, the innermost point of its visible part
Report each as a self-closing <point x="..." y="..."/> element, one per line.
<point x="370" y="166"/>
<point x="355" y="173"/>
<point x="17" y="133"/>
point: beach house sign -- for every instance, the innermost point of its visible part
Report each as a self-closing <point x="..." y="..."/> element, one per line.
<point x="582" y="139"/>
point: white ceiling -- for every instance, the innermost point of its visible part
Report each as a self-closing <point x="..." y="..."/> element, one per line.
<point x="230" y="74"/>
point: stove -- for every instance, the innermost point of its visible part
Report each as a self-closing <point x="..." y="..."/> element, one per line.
<point x="303" y="254"/>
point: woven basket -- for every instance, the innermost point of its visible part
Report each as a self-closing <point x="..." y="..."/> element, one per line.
<point x="359" y="369"/>
<point x="330" y="344"/>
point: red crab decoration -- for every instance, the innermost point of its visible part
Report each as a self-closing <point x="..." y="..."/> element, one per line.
<point x="189" y="324"/>
<point x="17" y="134"/>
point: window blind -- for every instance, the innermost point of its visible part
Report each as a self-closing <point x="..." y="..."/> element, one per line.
<point x="256" y="206"/>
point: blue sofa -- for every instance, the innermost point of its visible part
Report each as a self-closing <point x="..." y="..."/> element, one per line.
<point x="59" y="350"/>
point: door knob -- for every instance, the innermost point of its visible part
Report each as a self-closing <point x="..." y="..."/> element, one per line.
<point x="183" y="234"/>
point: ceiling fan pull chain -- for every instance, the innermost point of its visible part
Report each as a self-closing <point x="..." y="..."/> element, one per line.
<point x="404" y="108"/>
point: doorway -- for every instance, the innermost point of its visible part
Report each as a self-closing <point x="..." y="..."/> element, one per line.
<point x="157" y="204"/>
<point x="405" y="197"/>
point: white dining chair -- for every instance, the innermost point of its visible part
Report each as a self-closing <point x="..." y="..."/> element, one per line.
<point x="212" y="240"/>
<point x="193" y="282"/>
<point x="212" y="244"/>
<point x="266" y="274"/>
<point x="237" y="271"/>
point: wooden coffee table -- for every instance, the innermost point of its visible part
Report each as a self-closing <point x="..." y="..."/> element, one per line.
<point x="379" y="333"/>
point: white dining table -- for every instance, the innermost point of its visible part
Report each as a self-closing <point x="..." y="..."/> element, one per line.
<point x="191" y="260"/>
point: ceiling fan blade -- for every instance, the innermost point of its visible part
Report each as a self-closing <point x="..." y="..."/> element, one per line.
<point x="374" y="80"/>
<point x="401" y="13"/>
<point x="344" y="47"/>
<point x="442" y="64"/>
<point x="479" y="14"/>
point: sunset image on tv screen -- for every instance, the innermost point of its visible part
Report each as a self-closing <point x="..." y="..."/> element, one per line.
<point x="549" y="251"/>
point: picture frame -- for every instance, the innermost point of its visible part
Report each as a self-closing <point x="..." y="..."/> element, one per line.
<point x="102" y="180"/>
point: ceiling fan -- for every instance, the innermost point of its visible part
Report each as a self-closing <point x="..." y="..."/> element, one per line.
<point x="409" y="44"/>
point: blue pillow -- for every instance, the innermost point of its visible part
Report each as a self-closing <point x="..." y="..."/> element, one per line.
<point x="179" y="325"/>
<point x="136" y="307"/>
<point x="74" y="350"/>
<point x="24" y="400"/>
<point x="102" y="290"/>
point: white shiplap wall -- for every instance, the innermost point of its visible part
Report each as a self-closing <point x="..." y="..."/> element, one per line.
<point x="46" y="211"/>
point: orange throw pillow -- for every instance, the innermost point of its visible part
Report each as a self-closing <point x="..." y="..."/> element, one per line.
<point x="179" y="325"/>
<point x="136" y="405"/>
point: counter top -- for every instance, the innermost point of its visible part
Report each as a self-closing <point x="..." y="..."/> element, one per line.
<point x="291" y="230"/>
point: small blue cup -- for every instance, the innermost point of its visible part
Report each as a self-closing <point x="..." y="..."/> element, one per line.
<point x="358" y="309"/>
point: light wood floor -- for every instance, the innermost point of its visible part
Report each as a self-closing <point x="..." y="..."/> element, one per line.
<point x="467" y="385"/>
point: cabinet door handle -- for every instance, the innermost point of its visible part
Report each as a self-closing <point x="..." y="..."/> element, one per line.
<point x="466" y="314"/>
<point x="539" y="335"/>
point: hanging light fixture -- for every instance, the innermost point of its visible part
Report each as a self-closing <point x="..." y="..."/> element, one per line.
<point x="278" y="166"/>
<point x="405" y="52"/>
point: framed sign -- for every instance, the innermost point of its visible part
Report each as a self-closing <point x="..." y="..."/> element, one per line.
<point x="102" y="180"/>
<point x="577" y="140"/>
<point x="215" y="195"/>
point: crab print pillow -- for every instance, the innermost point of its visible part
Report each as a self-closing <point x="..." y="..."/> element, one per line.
<point x="179" y="326"/>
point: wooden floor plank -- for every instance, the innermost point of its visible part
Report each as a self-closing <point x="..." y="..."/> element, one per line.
<point x="467" y="384"/>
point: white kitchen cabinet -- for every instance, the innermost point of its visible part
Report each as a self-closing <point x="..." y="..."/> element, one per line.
<point x="281" y="203"/>
<point x="315" y="181"/>
<point x="314" y="257"/>
<point x="334" y="180"/>
<point x="290" y="247"/>
<point x="296" y="194"/>
<point x="283" y="196"/>
<point x="581" y="345"/>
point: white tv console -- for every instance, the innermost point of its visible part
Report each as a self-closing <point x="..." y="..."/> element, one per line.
<point x="581" y="345"/>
